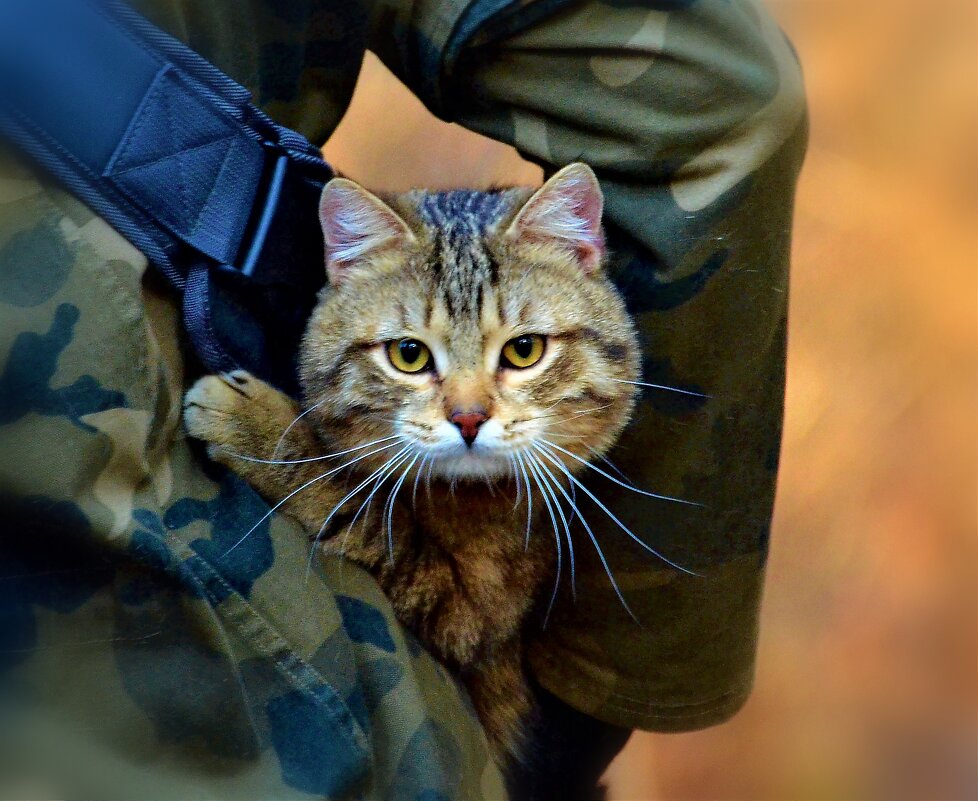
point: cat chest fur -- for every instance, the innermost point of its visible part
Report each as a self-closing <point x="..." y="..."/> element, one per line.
<point x="460" y="574"/>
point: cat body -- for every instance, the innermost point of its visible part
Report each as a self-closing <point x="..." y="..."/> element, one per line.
<point x="466" y="358"/>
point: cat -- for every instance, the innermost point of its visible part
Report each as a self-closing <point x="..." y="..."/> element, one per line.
<point x="470" y="343"/>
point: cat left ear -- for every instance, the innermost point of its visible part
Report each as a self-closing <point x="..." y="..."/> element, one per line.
<point x="357" y="225"/>
<point x="566" y="211"/>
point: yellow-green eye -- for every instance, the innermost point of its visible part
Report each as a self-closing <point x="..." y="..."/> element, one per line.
<point x="409" y="355"/>
<point x="524" y="351"/>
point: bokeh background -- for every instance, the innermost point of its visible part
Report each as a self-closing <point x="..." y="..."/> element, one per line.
<point x="867" y="683"/>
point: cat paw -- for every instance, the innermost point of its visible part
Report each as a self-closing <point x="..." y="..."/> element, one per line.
<point x="234" y="412"/>
<point x="211" y="406"/>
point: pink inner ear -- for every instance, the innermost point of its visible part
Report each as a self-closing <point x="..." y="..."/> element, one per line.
<point x="355" y="224"/>
<point x="567" y="211"/>
<point x="588" y="206"/>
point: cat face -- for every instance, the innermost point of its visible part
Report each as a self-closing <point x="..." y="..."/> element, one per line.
<point x="471" y="325"/>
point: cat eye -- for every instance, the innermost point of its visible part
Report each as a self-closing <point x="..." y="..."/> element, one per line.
<point x="409" y="355"/>
<point x="524" y="351"/>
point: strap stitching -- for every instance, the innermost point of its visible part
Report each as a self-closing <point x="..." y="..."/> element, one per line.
<point x="176" y="136"/>
<point x="174" y="154"/>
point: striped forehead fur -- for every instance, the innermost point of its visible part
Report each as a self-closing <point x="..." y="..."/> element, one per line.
<point x="458" y="224"/>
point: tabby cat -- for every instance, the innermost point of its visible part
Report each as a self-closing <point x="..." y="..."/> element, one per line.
<point x="467" y="357"/>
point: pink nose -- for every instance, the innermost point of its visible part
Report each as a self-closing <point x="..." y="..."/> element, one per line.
<point x="468" y="424"/>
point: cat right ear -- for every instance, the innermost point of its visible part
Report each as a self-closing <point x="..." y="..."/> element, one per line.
<point x="357" y="225"/>
<point x="565" y="212"/>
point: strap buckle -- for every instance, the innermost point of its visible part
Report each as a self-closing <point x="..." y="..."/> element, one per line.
<point x="283" y="239"/>
<point x="273" y="193"/>
<point x="251" y="312"/>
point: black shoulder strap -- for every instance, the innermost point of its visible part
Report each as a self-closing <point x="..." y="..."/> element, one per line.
<point x="172" y="153"/>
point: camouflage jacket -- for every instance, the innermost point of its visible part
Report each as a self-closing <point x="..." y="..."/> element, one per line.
<point x="140" y="657"/>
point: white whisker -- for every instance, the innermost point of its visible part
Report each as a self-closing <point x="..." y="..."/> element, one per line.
<point x="517" y="479"/>
<point x="573" y="492"/>
<point x="417" y="478"/>
<point x="380" y="482"/>
<point x="663" y="386"/>
<point x="601" y="556"/>
<point x="563" y="518"/>
<point x="579" y="413"/>
<point x="577" y="437"/>
<point x="390" y="512"/>
<point x="347" y="497"/>
<point x="311" y="458"/>
<point x="364" y="509"/>
<point x="531" y="463"/>
<point x="608" y="462"/>
<point x="560" y="465"/>
<point x="529" y="501"/>
<point x="427" y="479"/>
<point x="292" y="425"/>
<point x="610" y="477"/>
<point x="295" y="492"/>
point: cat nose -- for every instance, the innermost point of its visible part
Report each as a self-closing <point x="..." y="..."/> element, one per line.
<point x="468" y="423"/>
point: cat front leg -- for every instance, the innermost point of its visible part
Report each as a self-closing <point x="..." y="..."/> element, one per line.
<point x="255" y="430"/>
<point x="503" y="700"/>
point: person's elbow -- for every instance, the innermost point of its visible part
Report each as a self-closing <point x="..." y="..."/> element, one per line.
<point x="746" y="111"/>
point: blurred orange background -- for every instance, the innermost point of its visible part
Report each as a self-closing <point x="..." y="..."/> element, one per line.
<point x="867" y="683"/>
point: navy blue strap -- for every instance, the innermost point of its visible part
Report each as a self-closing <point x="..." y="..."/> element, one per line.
<point x="198" y="320"/>
<point x="169" y="150"/>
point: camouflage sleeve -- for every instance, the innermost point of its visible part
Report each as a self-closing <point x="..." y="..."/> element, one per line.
<point x="300" y="60"/>
<point x="161" y="636"/>
<point x="692" y="114"/>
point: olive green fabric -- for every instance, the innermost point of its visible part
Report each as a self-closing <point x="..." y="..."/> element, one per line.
<point x="158" y="658"/>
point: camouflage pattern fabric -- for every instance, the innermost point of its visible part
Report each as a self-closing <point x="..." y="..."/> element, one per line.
<point x="145" y="653"/>
<point x="143" y="641"/>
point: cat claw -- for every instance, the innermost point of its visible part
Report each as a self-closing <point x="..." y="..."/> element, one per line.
<point x="238" y="380"/>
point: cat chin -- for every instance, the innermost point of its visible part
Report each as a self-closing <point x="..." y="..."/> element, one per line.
<point x="471" y="466"/>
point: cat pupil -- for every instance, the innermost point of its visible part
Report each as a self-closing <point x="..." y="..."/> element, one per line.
<point x="523" y="347"/>
<point x="410" y="351"/>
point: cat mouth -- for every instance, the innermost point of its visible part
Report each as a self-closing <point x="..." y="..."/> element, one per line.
<point x="448" y="456"/>
<point x="471" y="462"/>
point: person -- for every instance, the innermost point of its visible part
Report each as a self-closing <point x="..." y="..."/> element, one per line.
<point x="141" y="656"/>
